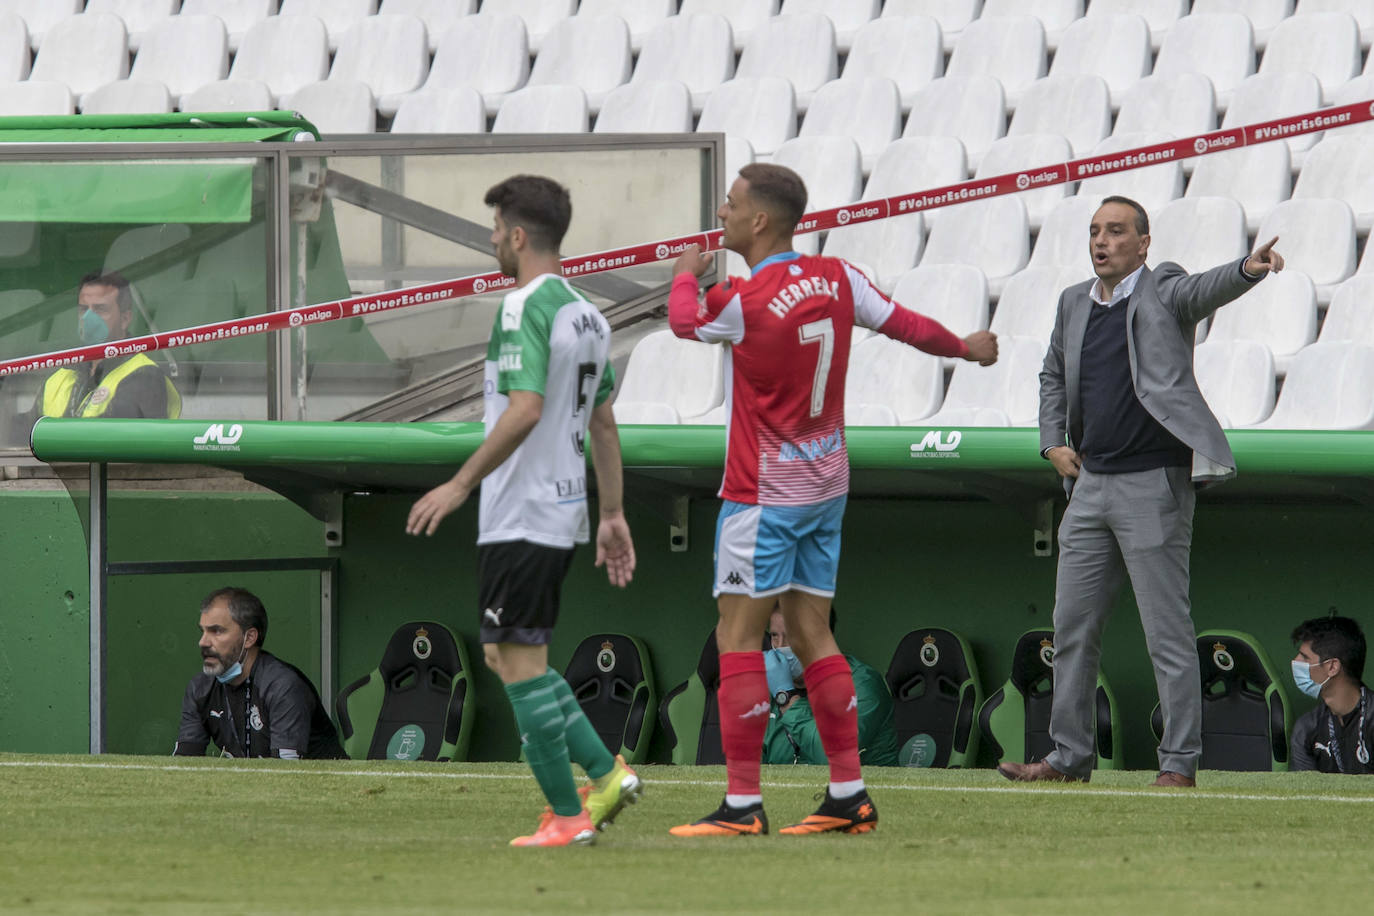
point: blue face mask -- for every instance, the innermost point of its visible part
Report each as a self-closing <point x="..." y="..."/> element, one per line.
<point x="230" y="673"/>
<point x="1302" y="676"/>
<point x="92" y="328"/>
<point x="794" y="665"/>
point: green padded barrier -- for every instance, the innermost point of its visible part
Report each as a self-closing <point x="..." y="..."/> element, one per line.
<point x="1016" y="718"/>
<point x="1247" y="717"/>
<point x="415" y="705"/>
<point x="935" y="698"/>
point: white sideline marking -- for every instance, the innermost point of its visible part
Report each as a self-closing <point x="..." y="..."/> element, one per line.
<point x="1080" y="791"/>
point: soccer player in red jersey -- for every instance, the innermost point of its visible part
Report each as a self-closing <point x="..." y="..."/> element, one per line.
<point x="787" y="327"/>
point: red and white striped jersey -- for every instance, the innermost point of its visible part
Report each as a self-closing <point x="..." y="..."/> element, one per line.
<point x="787" y="328"/>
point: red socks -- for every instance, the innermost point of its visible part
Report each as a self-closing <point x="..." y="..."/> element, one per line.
<point x="830" y="690"/>
<point x="743" y="701"/>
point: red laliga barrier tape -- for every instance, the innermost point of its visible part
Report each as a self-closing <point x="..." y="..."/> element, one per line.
<point x="648" y="253"/>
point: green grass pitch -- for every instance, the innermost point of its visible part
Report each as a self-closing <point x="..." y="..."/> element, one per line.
<point x="139" y="835"/>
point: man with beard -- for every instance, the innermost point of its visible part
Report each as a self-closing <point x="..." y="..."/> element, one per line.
<point x="246" y="700"/>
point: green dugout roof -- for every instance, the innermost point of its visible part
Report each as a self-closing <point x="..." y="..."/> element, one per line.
<point x="138" y="190"/>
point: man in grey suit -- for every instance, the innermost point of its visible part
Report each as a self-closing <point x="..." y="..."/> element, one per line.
<point x="1123" y="422"/>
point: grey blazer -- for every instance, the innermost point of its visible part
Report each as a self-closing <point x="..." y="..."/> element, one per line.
<point x="1162" y="316"/>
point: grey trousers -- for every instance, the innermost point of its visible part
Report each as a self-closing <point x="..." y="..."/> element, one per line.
<point x="1138" y="524"/>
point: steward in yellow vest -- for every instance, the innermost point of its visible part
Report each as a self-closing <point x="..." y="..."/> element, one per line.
<point x="129" y="387"/>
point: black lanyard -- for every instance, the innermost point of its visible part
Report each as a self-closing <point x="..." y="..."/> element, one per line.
<point x="1361" y="751"/>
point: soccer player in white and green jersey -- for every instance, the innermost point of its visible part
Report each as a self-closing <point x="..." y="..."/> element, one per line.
<point x="548" y="387"/>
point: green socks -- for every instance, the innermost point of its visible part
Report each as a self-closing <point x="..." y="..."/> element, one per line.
<point x="542" y="723"/>
<point x="585" y="746"/>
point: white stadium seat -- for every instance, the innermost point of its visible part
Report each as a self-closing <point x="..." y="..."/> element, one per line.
<point x="956" y="295"/>
<point x="285" y="52"/>
<point x="1076" y="107"/>
<point x="1181" y="105"/>
<point x="540" y="16"/>
<point x="390" y="54"/>
<point x="1236" y="378"/>
<point x="15" y="57"/>
<point x="1350" y="317"/>
<point x="183" y="53"/>
<point x="695" y="50"/>
<point x="138" y="15"/>
<point x="441" y="111"/>
<point x="686" y="375"/>
<point x="868" y="110"/>
<point x="992" y="235"/>
<point x="438" y="15"/>
<point x="1362" y="10"/>
<point x="229" y="95"/>
<point x="543" y="110"/>
<point x="1268" y="96"/>
<point x="336" y="106"/>
<point x="847" y="16"/>
<point x="1341" y="167"/>
<point x="1221" y="47"/>
<point x="1198" y="233"/>
<point x="1263" y="16"/>
<point x="128" y="97"/>
<point x="1279" y="312"/>
<point x="1326" y="45"/>
<point x="1030" y="300"/>
<point x="1012" y="49"/>
<point x="36" y="97"/>
<point x="1330" y="386"/>
<point x="1317" y="238"/>
<point x="745" y="16"/>
<point x="1115" y="48"/>
<point x="85" y="52"/>
<point x="1151" y="186"/>
<point x="1030" y="154"/>
<point x="1359" y="89"/>
<point x="1159" y="14"/>
<point x="1257" y="177"/>
<point x="952" y="15"/>
<point x="758" y="110"/>
<point x="238" y="16"/>
<point x="1063" y="239"/>
<point x="906" y="51"/>
<point x="565" y="59"/>
<point x="648" y="106"/>
<point x="1054" y="15"/>
<point x="893" y="246"/>
<point x="489" y="53"/>
<point x="1005" y="393"/>
<point x="41" y="15"/>
<point x="338" y="16"/>
<point x="890" y="383"/>
<point x="831" y="168"/>
<point x="641" y="16"/>
<point x="969" y="108"/>
<point x="799" y="48"/>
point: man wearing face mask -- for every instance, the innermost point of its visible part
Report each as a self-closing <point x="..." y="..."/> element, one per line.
<point x="123" y="386"/>
<point x="792" y="736"/>
<point x="1336" y="736"/>
<point x="246" y="700"/>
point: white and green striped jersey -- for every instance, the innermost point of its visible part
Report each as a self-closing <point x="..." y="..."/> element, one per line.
<point x="548" y="339"/>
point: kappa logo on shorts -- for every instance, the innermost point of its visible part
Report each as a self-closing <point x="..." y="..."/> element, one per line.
<point x="734" y="579"/>
<point x="493" y="615"/>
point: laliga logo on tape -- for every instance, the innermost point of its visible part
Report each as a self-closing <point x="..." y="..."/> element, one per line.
<point x="661" y="252"/>
<point x="479" y="285"/>
<point x="1199" y="145"/>
<point x="1023" y="181"/>
<point x="111" y="352"/>
<point x="295" y="320"/>
<point x="842" y="217"/>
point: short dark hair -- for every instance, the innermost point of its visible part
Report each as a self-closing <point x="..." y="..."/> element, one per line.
<point x="539" y="205"/>
<point x="1142" y="219"/>
<point x="244" y="606"/>
<point x="1334" y="637"/>
<point x="113" y="279"/>
<point x="778" y="189"/>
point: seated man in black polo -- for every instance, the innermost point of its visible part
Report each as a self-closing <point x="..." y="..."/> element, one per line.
<point x="1338" y="735"/>
<point x="246" y="700"/>
<point x="122" y="385"/>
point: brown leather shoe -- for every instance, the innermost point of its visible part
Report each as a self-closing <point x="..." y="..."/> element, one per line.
<point x="1040" y="771"/>
<point x="1171" y="780"/>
